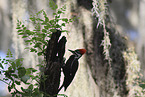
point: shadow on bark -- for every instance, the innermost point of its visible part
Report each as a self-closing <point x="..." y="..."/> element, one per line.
<point x="101" y="72"/>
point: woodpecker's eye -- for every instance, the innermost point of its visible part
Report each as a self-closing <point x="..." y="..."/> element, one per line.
<point x="78" y="52"/>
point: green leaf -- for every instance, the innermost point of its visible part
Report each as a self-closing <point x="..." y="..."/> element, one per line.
<point x="52" y="5"/>
<point x="70" y="20"/>
<point x="10" y="68"/>
<point x="46" y="19"/>
<point x="22" y="89"/>
<point x="19" y="30"/>
<point x="38" y="38"/>
<point x="33" y="50"/>
<point x="52" y="22"/>
<point x="46" y="27"/>
<point x="17" y="82"/>
<point x="36" y="92"/>
<point x="39" y="12"/>
<point x="59" y="12"/>
<point x="9" y="88"/>
<point x="6" y="62"/>
<point x="24" y="28"/>
<point x="56" y="17"/>
<point x="21" y="71"/>
<point x="2" y="61"/>
<point x="43" y="30"/>
<point x="32" y="18"/>
<point x="27" y="48"/>
<point x="44" y="13"/>
<point x="9" y="83"/>
<point x="63" y="24"/>
<point x="65" y="20"/>
<point x="64" y="31"/>
<point x="13" y="65"/>
<point x="1" y="66"/>
<point x="58" y="26"/>
<point x="34" y="70"/>
<point x="43" y="24"/>
<point x="13" y="94"/>
<point x="63" y="8"/>
<point x="28" y="71"/>
<point x="17" y="96"/>
<point x="22" y="25"/>
<point x="28" y="40"/>
<point x="44" y="42"/>
<point x="34" y="38"/>
<point x="43" y="35"/>
<point x="28" y="32"/>
<point x="14" y="75"/>
<point x="37" y="45"/>
<point x="39" y="54"/>
<point x="13" y="85"/>
<point x="43" y="46"/>
<point x="21" y="33"/>
<point x="39" y="19"/>
<point x="30" y="87"/>
<point x="31" y="76"/>
<point x="6" y="79"/>
<point x="54" y="14"/>
<point x="53" y="30"/>
<point x="9" y="54"/>
<point x="18" y="62"/>
<point x="24" y="36"/>
<point x="57" y="20"/>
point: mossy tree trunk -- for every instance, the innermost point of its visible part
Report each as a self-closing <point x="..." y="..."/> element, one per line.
<point x="103" y="70"/>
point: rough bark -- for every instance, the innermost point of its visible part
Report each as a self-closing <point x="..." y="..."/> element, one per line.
<point x="109" y="76"/>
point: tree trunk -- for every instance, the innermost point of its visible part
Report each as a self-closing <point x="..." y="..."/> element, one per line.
<point x="105" y="61"/>
<point x="105" y="68"/>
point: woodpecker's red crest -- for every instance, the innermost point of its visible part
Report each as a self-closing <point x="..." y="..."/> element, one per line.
<point x="82" y="51"/>
<point x="78" y="51"/>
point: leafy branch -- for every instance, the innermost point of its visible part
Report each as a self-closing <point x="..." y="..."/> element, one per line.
<point x="36" y="41"/>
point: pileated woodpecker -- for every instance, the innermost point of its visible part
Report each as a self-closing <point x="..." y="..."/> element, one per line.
<point x="71" y="66"/>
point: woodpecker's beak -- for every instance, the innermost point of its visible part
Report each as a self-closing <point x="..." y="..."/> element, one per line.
<point x="71" y="51"/>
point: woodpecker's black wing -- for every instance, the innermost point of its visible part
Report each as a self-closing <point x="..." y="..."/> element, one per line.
<point x="69" y="70"/>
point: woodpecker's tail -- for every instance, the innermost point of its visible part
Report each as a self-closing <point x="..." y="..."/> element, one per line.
<point x="60" y="88"/>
